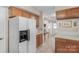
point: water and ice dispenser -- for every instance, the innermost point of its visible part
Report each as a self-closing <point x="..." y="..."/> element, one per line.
<point x="24" y="35"/>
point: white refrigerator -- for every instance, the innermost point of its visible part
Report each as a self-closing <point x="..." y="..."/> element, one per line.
<point x="22" y="35"/>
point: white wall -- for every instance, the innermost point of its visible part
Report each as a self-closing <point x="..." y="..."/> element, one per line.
<point x="4" y="29"/>
<point x="68" y="31"/>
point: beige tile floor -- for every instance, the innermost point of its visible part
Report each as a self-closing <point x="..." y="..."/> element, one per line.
<point x="47" y="47"/>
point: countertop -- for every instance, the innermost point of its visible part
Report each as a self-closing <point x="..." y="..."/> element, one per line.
<point x="39" y="33"/>
<point x="71" y="37"/>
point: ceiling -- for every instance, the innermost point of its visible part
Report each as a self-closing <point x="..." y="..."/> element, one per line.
<point x="46" y="10"/>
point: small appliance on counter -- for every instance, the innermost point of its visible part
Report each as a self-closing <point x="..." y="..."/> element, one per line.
<point x="22" y="35"/>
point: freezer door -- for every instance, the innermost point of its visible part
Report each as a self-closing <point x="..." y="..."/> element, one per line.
<point x="23" y="47"/>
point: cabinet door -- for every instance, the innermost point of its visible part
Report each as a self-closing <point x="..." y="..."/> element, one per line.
<point x="66" y="46"/>
<point x="26" y="14"/>
<point x="39" y="40"/>
<point x="73" y="13"/>
<point x="60" y="46"/>
<point x="68" y="13"/>
<point x="13" y="11"/>
<point x="61" y="14"/>
<point x="37" y="20"/>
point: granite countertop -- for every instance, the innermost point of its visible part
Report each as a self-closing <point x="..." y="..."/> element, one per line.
<point x="71" y="37"/>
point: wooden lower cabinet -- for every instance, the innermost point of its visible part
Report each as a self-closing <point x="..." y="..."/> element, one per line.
<point x="39" y="40"/>
<point x="66" y="46"/>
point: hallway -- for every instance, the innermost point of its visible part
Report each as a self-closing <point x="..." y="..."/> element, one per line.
<point x="47" y="47"/>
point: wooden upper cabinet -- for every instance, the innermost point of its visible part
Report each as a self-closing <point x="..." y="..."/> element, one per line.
<point x="68" y="13"/>
<point x="13" y="11"/>
<point x="61" y="14"/>
<point x="26" y="14"/>
<point x="73" y="13"/>
<point x="37" y="20"/>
